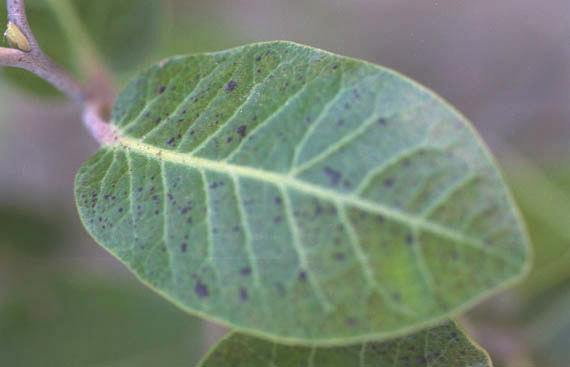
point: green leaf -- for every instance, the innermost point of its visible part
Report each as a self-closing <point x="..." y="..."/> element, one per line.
<point x="301" y="196"/>
<point x="67" y="319"/>
<point x="441" y="346"/>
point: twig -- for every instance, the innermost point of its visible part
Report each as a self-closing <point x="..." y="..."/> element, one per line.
<point x="45" y="69"/>
<point x="95" y="101"/>
<point x="36" y="60"/>
<point x="99" y="129"/>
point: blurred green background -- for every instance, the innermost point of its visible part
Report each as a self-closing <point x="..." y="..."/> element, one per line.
<point x="65" y="302"/>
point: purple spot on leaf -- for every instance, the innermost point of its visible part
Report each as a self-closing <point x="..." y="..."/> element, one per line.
<point x="201" y="290"/>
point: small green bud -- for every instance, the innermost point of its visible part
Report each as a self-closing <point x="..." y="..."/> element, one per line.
<point x="17" y="39"/>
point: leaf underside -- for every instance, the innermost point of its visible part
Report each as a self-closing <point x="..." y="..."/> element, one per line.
<point x="441" y="346"/>
<point x="300" y="195"/>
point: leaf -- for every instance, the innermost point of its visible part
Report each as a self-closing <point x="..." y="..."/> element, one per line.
<point x="67" y="319"/>
<point x="441" y="346"/>
<point x="123" y="31"/>
<point x="301" y="196"/>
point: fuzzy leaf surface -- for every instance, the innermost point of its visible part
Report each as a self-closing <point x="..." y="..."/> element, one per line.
<point x="300" y="195"/>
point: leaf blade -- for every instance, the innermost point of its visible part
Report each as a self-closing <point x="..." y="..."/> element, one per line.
<point x="389" y="217"/>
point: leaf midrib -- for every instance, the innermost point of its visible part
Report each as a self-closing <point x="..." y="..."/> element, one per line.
<point x="152" y="152"/>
